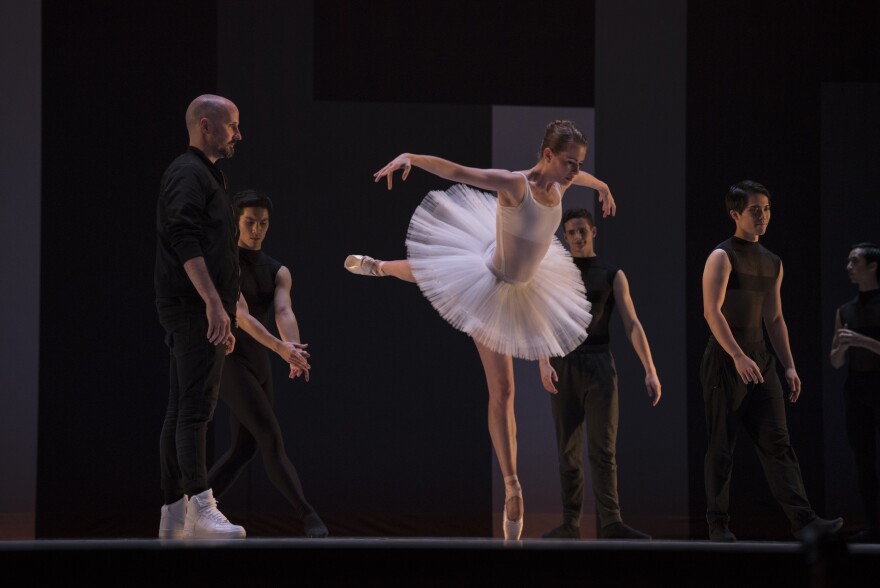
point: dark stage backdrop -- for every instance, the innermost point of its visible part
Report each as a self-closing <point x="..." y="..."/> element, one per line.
<point x="390" y="435"/>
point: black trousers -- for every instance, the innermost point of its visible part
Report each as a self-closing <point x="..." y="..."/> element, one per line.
<point x="587" y="395"/>
<point x="862" y="426"/>
<point x="246" y="387"/>
<point x="194" y="383"/>
<point x="760" y="410"/>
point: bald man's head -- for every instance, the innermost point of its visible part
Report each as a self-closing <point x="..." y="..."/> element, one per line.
<point x="206" y="106"/>
<point x="212" y="123"/>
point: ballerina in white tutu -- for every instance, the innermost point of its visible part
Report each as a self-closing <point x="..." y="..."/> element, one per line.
<point x="493" y="268"/>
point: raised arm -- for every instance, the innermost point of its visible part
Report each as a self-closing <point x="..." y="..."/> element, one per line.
<point x="604" y="193"/>
<point x="496" y="180"/>
<point x="634" y="331"/>
<point x="777" y="330"/>
<point x="715" y="275"/>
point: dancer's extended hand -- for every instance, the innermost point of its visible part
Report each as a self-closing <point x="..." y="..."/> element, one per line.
<point x="607" y="200"/>
<point x="296" y="372"/>
<point x="402" y="161"/>
<point x="294" y="354"/>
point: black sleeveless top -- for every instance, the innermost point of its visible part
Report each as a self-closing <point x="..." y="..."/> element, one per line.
<point x="753" y="275"/>
<point x="598" y="278"/>
<point x="862" y="315"/>
<point x="258" y="272"/>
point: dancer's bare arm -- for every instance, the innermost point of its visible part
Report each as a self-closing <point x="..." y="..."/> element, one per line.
<point x="715" y="276"/>
<point x="777" y="330"/>
<point x="289" y="351"/>
<point x="496" y="180"/>
<point x="287" y="324"/>
<point x="632" y="326"/>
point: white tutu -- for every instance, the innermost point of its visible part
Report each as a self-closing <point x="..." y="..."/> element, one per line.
<point x="450" y="238"/>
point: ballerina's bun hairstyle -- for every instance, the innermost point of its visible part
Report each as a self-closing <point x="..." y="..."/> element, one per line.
<point x="560" y="134"/>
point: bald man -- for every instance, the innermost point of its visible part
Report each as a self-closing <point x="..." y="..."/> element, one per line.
<point x="197" y="286"/>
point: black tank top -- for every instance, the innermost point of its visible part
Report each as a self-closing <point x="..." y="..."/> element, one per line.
<point x="598" y="278"/>
<point x="753" y="274"/>
<point x="862" y="315"/>
<point x="258" y="272"/>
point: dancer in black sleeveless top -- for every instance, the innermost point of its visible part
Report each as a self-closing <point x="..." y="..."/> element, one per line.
<point x="857" y="344"/>
<point x="583" y="387"/>
<point x="246" y="385"/>
<point x="741" y="296"/>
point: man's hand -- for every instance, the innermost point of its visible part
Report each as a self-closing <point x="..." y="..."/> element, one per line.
<point x="296" y="372"/>
<point x="548" y="375"/>
<point x="294" y="354"/>
<point x="652" y="383"/>
<point x="794" y="384"/>
<point x="847" y="338"/>
<point x="748" y="370"/>
<point x="219" y="324"/>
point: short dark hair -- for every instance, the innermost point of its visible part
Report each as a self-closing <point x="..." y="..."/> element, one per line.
<point x="738" y="194"/>
<point x="872" y="254"/>
<point x="578" y="213"/>
<point x="251" y="199"/>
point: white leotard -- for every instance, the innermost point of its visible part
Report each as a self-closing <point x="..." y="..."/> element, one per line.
<point x="523" y="235"/>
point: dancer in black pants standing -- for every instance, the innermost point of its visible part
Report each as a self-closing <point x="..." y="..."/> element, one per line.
<point x="583" y="385"/>
<point x="741" y="296"/>
<point x="857" y="344"/>
<point x="246" y="386"/>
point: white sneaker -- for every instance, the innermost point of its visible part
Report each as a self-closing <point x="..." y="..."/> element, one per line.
<point x="204" y="521"/>
<point x="173" y="520"/>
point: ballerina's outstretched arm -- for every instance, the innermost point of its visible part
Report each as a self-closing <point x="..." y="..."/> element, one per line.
<point x="496" y="180"/>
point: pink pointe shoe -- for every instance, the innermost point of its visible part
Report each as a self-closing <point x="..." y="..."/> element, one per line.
<point x="364" y="265"/>
<point x="512" y="529"/>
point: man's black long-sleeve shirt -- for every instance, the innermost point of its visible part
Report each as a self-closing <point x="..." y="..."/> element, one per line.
<point x="195" y="218"/>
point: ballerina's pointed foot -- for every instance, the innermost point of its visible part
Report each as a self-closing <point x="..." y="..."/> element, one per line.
<point x="364" y="265"/>
<point x="512" y="529"/>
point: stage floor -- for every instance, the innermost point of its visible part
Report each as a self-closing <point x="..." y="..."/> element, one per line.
<point x="436" y="562"/>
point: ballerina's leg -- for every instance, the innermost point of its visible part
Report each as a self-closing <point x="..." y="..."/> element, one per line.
<point x="502" y="426"/>
<point x="399" y="268"/>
